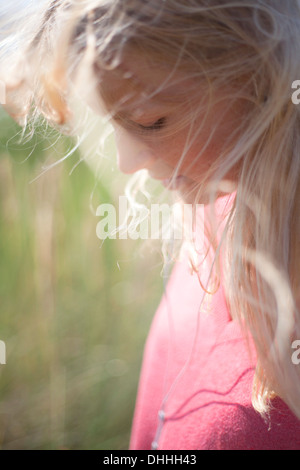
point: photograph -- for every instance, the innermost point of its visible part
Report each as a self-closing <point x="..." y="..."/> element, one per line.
<point x="150" y="227"/>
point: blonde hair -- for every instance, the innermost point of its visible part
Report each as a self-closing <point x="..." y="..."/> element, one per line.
<point x="249" y="50"/>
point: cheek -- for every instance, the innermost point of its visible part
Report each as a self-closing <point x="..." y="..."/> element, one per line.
<point x="193" y="158"/>
<point x="197" y="148"/>
<point x="196" y="153"/>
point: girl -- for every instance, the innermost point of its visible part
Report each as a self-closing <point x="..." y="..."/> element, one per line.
<point x="199" y="95"/>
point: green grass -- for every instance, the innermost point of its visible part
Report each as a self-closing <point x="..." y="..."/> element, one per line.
<point x="74" y="312"/>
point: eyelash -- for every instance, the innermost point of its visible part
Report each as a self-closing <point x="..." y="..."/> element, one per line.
<point x="156" y="126"/>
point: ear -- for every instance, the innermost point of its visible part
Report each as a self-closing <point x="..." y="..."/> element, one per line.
<point x="15" y="102"/>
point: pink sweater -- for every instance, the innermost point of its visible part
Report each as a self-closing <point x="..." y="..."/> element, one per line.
<point x="197" y="376"/>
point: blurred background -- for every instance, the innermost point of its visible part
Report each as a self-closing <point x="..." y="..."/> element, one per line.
<point x="75" y="311"/>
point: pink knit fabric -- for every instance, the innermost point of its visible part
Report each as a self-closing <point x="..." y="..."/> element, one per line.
<point x="201" y="363"/>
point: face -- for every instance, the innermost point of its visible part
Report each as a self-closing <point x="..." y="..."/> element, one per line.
<point x="148" y="110"/>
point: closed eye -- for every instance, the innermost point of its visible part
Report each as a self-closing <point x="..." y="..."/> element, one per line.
<point x="157" y="125"/>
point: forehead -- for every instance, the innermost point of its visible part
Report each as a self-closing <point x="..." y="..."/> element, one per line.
<point x="140" y="80"/>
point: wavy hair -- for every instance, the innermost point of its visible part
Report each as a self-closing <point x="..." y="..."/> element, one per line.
<point x="245" y="49"/>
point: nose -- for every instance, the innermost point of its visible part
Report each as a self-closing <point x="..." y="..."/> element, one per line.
<point x="132" y="154"/>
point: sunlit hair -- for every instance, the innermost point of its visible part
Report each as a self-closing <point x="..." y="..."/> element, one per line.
<point x="232" y="51"/>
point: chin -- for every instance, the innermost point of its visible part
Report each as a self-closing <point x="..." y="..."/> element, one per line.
<point x="189" y="194"/>
<point x="204" y="198"/>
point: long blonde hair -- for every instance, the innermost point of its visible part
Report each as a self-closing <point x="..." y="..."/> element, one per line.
<point x="249" y="49"/>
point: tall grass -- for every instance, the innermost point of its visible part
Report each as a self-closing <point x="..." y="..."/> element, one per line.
<point x="74" y="311"/>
